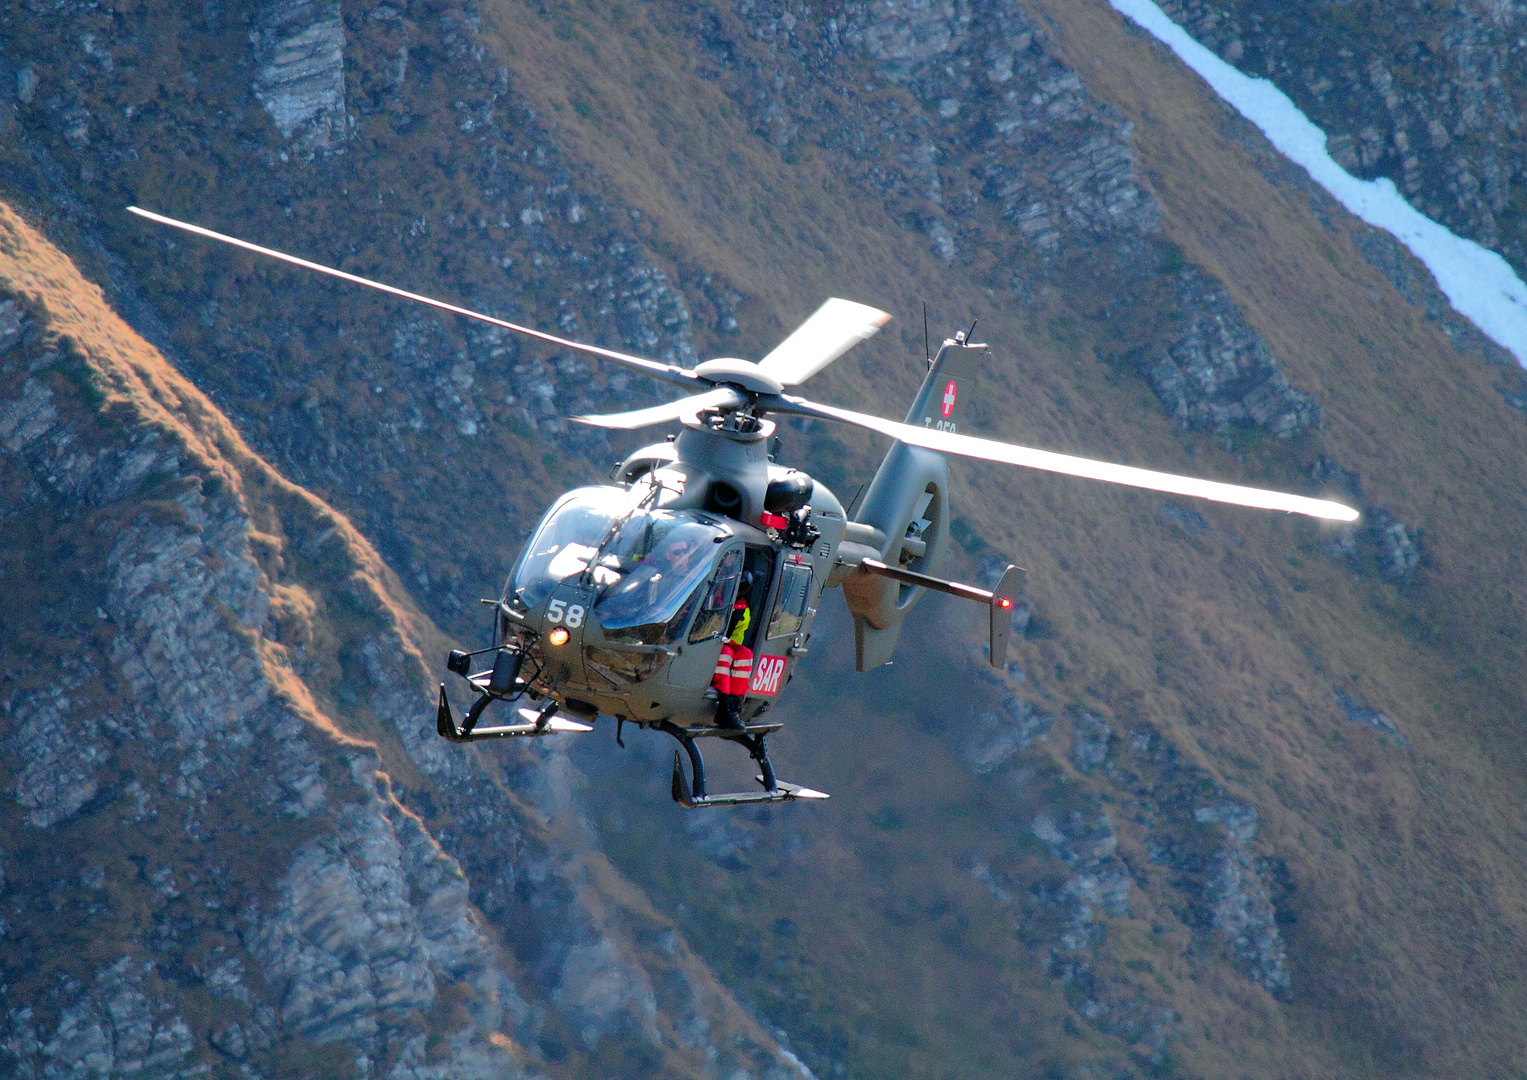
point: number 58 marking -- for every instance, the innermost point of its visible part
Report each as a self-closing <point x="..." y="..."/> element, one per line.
<point x="558" y="610"/>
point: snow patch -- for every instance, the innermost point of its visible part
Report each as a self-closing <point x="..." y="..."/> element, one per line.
<point x="1479" y="284"/>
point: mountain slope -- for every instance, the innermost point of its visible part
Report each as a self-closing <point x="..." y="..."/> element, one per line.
<point x="242" y="846"/>
<point x="1243" y="802"/>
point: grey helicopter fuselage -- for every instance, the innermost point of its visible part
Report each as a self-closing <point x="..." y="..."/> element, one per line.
<point x="626" y="596"/>
<point x="632" y="620"/>
<point x="607" y="624"/>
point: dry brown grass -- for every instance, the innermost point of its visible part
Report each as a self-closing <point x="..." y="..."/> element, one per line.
<point x="1411" y="890"/>
<point x="1407" y="953"/>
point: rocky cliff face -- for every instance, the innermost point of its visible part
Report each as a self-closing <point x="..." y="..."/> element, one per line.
<point x="1431" y="100"/>
<point x="203" y="732"/>
<point x="1206" y="820"/>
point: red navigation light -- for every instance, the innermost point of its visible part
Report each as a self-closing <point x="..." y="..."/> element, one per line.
<point x="1004" y="602"/>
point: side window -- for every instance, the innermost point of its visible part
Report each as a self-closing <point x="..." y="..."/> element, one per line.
<point x="717" y="603"/>
<point x="794" y="590"/>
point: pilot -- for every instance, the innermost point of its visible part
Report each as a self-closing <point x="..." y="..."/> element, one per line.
<point x="734" y="667"/>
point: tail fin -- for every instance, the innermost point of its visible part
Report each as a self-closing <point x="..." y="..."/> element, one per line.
<point x="950" y="378"/>
<point x="908" y="503"/>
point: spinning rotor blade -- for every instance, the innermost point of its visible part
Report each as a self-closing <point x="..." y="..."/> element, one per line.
<point x="723" y="397"/>
<point x="666" y="372"/>
<point x="991" y="450"/>
<point x="836" y="327"/>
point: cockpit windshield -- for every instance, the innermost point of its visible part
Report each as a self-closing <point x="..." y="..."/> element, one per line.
<point x="651" y="569"/>
<point x="569" y="535"/>
<point x="646" y="562"/>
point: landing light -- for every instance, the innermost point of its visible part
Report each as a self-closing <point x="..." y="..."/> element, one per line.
<point x="558" y="636"/>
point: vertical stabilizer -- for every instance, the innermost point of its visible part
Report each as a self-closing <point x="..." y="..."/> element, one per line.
<point x="951" y="378"/>
<point x="908" y="503"/>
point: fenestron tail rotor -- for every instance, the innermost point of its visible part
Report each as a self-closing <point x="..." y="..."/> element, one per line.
<point x="837" y="326"/>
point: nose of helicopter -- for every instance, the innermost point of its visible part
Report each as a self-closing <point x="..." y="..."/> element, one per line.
<point x="563" y="619"/>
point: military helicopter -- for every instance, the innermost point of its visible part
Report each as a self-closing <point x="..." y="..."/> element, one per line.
<point x="681" y="596"/>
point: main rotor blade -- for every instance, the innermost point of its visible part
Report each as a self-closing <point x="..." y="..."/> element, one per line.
<point x="723" y="397"/>
<point x="836" y="327"/>
<point x="991" y="450"/>
<point x="666" y="372"/>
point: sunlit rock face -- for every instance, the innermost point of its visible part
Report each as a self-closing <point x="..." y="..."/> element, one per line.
<point x="261" y="894"/>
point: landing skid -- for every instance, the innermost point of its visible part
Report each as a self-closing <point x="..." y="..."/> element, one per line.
<point x="533" y="723"/>
<point x="694" y="796"/>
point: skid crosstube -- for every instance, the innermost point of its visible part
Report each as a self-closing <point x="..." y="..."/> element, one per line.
<point x="535" y="724"/>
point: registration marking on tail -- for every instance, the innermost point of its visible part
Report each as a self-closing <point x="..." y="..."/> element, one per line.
<point x="766" y="675"/>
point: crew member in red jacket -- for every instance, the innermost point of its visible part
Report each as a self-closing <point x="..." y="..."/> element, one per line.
<point x="734" y="667"/>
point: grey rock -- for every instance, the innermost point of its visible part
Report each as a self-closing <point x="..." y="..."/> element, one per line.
<point x="1189" y="521"/>
<point x="299" y="51"/>
<point x="344" y="945"/>
<point x="227" y="979"/>
<point x="1239" y="820"/>
<point x="903" y="34"/>
<point x="1239" y="906"/>
<point x="113" y="1028"/>
<point x="13" y="325"/>
<point x="996" y="736"/>
<point x="1219" y="373"/>
<point x="1359" y="713"/>
<point x="27" y="418"/>
<point x="718" y="838"/>
<point x="603" y="993"/>
<point x="1399" y="553"/>
<point x="1076" y="842"/>
<point x="26" y="85"/>
<point x="1444" y="131"/>
<point x="60" y="754"/>
<point x="1098" y="879"/>
<point x="1091" y="738"/>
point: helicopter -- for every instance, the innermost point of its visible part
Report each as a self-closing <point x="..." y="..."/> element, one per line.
<point x="680" y="597"/>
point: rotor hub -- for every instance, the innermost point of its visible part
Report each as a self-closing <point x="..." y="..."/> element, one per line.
<point x="741" y="373"/>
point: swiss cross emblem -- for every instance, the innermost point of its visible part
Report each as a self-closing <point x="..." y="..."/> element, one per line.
<point x="949" y="398"/>
<point x="766" y="673"/>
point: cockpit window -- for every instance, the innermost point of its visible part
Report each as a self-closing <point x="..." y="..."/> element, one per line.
<point x="652" y="569"/>
<point x="718" y="598"/>
<point x="568" y="536"/>
<point x="794" y="591"/>
<point x="647" y="563"/>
